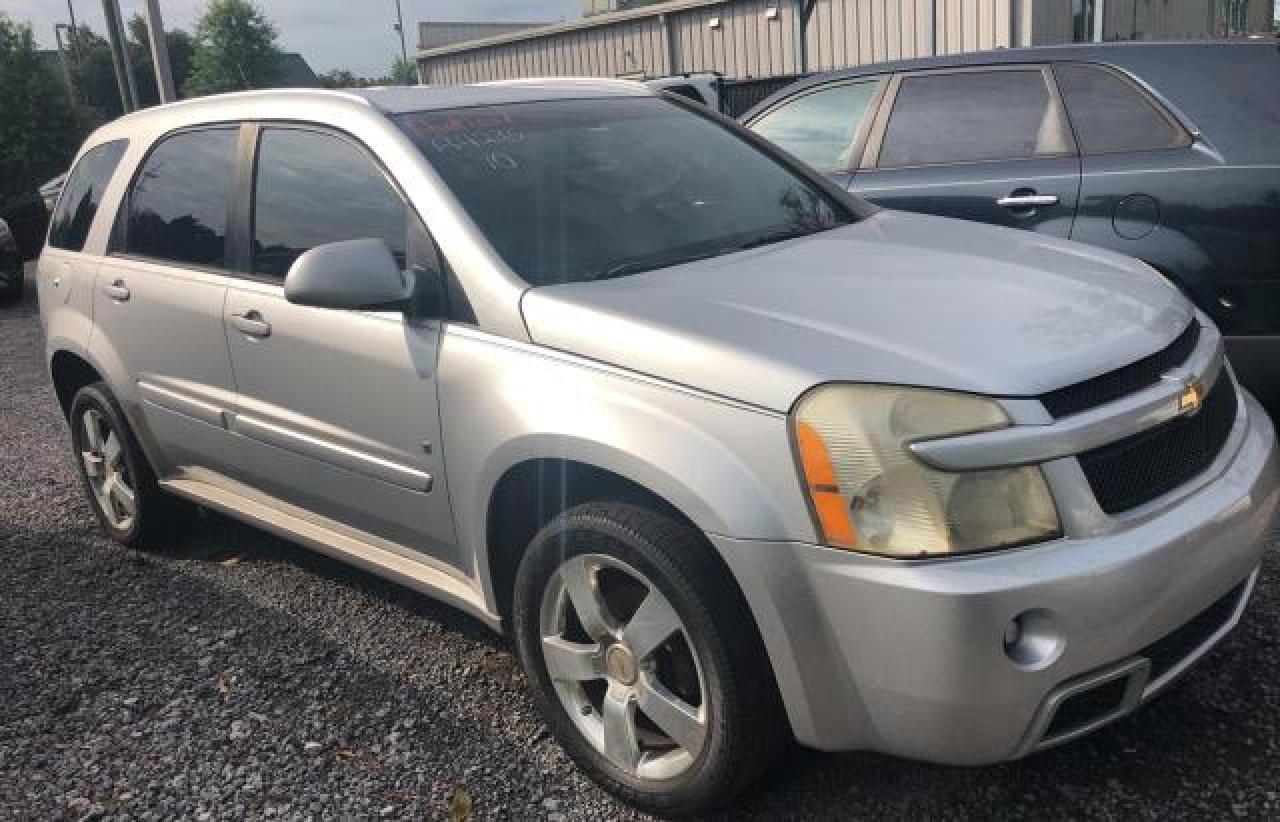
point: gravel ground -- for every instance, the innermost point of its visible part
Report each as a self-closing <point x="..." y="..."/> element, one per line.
<point x="233" y="674"/>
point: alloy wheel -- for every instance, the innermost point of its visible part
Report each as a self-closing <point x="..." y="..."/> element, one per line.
<point x="103" y="457"/>
<point x="622" y="664"/>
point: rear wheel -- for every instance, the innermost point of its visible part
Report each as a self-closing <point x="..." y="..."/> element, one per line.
<point x="121" y="486"/>
<point x="643" y="660"/>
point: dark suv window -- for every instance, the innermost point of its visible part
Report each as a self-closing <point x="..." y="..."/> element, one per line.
<point x="1110" y="114"/>
<point x="314" y="188"/>
<point x="179" y="202"/>
<point x="70" y="223"/>
<point x="972" y="116"/>
<point x="818" y="127"/>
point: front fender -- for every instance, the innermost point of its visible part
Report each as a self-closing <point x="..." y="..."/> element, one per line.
<point x="726" y="466"/>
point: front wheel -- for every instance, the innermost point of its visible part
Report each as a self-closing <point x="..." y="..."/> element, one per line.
<point x="644" y="659"/>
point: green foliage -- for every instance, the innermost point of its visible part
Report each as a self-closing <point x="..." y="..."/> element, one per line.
<point x="235" y="48"/>
<point x="181" y="51"/>
<point x="403" y="73"/>
<point x="39" y="129"/>
<point x="94" y="75"/>
<point x="342" y="78"/>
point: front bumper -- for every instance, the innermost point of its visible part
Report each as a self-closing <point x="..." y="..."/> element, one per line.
<point x="909" y="658"/>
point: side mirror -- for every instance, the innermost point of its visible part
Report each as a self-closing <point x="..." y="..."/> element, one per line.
<point x="354" y="274"/>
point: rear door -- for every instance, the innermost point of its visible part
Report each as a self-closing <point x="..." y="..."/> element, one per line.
<point x="337" y="410"/>
<point x="158" y="296"/>
<point x="990" y="144"/>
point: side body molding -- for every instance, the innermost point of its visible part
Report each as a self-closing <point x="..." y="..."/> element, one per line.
<point x="715" y="460"/>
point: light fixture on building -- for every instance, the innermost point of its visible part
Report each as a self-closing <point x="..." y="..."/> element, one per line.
<point x="771" y="13"/>
<point x="713" y="23"/>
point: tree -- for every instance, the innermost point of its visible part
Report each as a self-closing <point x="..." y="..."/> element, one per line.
<point x="40" y="129"/>
<point x="404" y="72"/>
<point x="93" y="74"/>
<point x="181" y="49"/>
<point x="342" y="78"/>
<point x="235" y="48"/>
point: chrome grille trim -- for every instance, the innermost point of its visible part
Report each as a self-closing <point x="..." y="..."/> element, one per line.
<point x="1031" y="444"/>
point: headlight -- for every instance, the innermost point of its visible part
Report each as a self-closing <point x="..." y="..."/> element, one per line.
<point x="869" y="493"/>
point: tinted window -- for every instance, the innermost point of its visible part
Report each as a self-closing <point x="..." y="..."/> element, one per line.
<point x="178" y="206"/>
<point x="819" y="127"/>
<point x="572" y="190"/>
<point x="1111" y="114"/>
<point x="972" y="116"/>
<point x="83" y="192"/>
<point x="313" y="189"/>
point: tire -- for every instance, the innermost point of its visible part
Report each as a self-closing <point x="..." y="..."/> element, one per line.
<point x="117" y="453"/>
<point x="11" y="291"/>
<point x="734" y="722"/>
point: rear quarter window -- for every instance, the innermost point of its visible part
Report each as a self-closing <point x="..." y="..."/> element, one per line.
<point x="82" y="195"/>
<point x="1111" y="114"/>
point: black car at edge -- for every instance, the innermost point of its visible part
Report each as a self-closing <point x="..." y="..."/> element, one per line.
<point x="1168" y="152"/>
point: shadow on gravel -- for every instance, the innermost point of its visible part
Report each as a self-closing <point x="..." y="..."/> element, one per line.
<point x="215" y="539"/>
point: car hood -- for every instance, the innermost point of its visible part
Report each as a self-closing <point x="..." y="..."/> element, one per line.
<point x="896" y="298"/>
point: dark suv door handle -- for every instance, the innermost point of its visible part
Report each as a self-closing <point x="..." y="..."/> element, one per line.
<point x="1019" y="200"/>
<point x="116" y="290"/>
<point x="251" y="323"/>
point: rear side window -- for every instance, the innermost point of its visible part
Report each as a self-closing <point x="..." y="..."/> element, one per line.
<point x="314" y="188"/>
<point x="973" y="116"/>
<point x="819" y="127"/>
<point x="70" y="223"/>
<point x="179" y="201"/>
<point x="1111" y="114"/>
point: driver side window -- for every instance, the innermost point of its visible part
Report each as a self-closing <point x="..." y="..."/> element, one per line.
<point x="312" y="188"/>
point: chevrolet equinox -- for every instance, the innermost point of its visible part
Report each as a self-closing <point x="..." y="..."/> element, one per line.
<point x="734" y="457"/>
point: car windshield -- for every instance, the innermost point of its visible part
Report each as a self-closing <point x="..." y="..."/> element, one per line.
<point x="575" y="190"/>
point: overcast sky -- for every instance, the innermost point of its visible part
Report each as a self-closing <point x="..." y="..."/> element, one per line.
<point x="351" y="34"/>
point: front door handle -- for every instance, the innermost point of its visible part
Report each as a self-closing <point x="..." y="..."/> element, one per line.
<point x="116" y="290"/>
<point x="251" y="323"/>
<point x="1017" y="200"/>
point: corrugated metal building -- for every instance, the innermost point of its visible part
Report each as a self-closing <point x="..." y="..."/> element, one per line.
<point x="434" y="35"/>
<point x="761" y="38"/>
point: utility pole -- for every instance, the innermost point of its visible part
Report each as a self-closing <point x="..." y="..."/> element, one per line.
<point x="160" y="52"/>
<point x="120" y="55"/>
<point x="404" y="51"/>
<point x="58" y="28"/>
<point x="74" y="33"/>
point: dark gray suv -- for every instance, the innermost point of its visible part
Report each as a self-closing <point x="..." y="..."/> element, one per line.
<point x="1163" y="151"/>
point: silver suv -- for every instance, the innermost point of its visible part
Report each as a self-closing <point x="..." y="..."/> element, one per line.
<point x="734" y="457"/>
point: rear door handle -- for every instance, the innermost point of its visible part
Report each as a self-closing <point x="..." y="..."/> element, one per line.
<point x="251" y="323"/>
<point x="1027" y="200"/>
<point x="116" y="290"/>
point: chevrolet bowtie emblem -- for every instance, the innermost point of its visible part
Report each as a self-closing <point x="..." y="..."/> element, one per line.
<point x="1190" y="399"/>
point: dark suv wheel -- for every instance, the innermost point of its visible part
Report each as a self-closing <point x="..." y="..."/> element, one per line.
<point x="642" y="658"/>
<point x="11" y="278"/>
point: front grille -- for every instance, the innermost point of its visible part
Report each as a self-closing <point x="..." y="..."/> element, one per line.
<point x="1137" y="469"/>
<point x="1166" y="653"/>
<point x="1122" y="381"/>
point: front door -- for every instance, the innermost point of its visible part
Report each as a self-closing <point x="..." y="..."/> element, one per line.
<point x="991" y="145"/>
<point x="337" y="410"/>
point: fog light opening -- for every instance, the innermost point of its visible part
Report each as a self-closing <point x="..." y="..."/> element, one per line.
<point x="1032" y="640"/>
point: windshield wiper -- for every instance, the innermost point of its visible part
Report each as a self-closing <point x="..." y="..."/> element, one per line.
<point x="777" y="235"/>
<point x="647" y="263"/>
<point x="638" y="264"/>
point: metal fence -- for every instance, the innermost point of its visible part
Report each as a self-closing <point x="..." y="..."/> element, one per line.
<point x="738" y="96"/>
